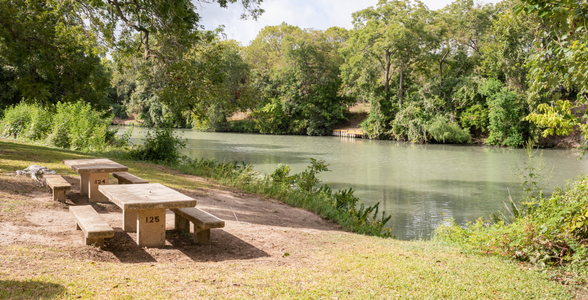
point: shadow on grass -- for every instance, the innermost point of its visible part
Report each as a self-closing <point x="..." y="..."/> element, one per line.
<point x="126" y="250"/>
<point x="224" y="246"/>
<point x="30" y="289"/>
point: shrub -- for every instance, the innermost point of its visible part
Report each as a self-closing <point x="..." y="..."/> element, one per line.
<point x="506" y="112"/>
<point x="82" y="126"/>
<point x="299" y="190"/>
<point x="475" y="116"/>
<point x="543" y="231"/>
<point x="444" y="131"/>
<point x="411" y="124"/>
<point x="246" y="126"/>
<point x="119" y="111"/>
<point x="160" y="145"/>
<point x="16" y="119"/>
<point x="40" y="124"/>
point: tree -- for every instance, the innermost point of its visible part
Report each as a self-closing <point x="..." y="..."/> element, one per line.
<point x="559" y="66"/>
<point x="297" y="75"/>
<point x="391" y="39"/>
<point x="47" y="58"/>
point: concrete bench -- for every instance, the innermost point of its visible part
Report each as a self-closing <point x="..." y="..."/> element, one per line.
<point x="58" y="185"/>
<point x="202" y="220"/>
<point x="91" y="223"/>
<point x="128" y="178"/>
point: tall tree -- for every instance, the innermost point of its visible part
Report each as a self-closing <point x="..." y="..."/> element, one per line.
<point x="390" y="38"/>
<point x="46" y="57"/>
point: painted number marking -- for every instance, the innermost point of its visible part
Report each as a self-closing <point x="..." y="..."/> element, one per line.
<point x="103" y="181"/>
<point x="152" y="219"/>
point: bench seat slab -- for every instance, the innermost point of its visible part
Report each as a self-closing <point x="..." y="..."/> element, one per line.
<point x="58" y="185"/>
<point x="93" y="226"/>
<point x="203" y="222"/>
<point x="128" y="178"/>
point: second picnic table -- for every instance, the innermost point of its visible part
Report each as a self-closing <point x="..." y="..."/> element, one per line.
<point x="93" y="173"/>
<point x="144" y="208"/>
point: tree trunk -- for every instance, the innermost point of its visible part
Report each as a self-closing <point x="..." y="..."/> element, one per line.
<point x="387" y="72"/>
<point x="401" y="78"/>
<point x="441" y="65"/>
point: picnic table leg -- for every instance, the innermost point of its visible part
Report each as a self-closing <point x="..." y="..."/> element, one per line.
<point x="130" y="220"/>
<point x="84" y="183"/>
<point x="151" y="228"/>
<point x="181" y="223"/>
<point x="97" y="179"/>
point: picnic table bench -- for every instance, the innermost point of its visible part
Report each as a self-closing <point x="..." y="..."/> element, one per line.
<point x="92" y="224"/>
<point x="128" y="178"/>
<point x="203" y="222"/>
<point x="58" y="185"/>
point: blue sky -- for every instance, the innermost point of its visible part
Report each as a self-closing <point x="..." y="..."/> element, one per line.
<point x="317" y="14"/>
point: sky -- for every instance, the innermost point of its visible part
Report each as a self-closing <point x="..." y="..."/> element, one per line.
<point x="316" y="14"/>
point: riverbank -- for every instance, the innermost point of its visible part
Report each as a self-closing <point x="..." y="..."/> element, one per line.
<point x="271" y="251"/>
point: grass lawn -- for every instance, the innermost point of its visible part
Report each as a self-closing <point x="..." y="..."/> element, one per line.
<point x="330" y="264"/>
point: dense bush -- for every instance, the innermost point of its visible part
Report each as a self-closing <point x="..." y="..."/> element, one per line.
<point x="76" y="126"/>
<point x="442" y="130"/>
<point x="16" y="120"/>
<point x="506" y="113"/>
<point x="160" y="145"/>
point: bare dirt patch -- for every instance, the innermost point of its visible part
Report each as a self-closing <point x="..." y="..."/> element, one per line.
<point x="256" y="228"/>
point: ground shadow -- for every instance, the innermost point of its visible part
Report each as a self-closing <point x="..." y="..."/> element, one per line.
<point x="125" y="248"/>
<point x="30" y="289"/>
<point x="224" y="246"/>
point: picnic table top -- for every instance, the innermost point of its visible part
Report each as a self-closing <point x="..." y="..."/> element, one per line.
<point x="96" y="165"/>
<point x="145" y="196"/>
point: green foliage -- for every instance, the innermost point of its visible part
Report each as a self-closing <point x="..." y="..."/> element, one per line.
<point x="70" y="126"/>
<point x="46" y="56"/>
<point x="547" y="232"/>
<point x="411" y="123"/>
<point x="40" y="124"/>
<point x="27" y="121"/>
<point x="245" y="126"/>
<point x="442" y="130"/>
<point x="506" y="114"/>
<point x="297" y="75"/>
<point x="475" y="116"/>
<point x="16" y="120"/>
<point x="300" y="190"/>
<point x="307" y="180"/>
<point x="119" y="111"/>
<point x="160" y="145"/>
<point x="79" y="124"/>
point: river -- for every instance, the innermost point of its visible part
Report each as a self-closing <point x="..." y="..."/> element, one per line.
<point x="419" y="185"/>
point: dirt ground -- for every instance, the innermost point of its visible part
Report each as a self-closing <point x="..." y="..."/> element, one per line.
<point x="256" y="229"/>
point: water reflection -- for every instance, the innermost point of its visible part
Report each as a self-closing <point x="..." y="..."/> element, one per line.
<point x="419" y="185"/>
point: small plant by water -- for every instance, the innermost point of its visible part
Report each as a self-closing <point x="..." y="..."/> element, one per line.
<point x="300" y="190"/>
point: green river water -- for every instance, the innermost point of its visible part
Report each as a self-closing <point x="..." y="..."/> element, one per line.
<point x="419" y="185"/>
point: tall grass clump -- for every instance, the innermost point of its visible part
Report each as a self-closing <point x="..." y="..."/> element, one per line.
<point x="300" y="190"/>
<point x="546" y="232"/>
<point x="15" y="121"/>
<point x="75" y="126"/>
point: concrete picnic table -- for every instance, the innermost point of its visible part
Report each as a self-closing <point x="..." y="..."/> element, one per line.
<point x="144" y="208"/>
<point x="93" y="173"/>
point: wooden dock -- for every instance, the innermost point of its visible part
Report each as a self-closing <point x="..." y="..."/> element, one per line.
<point x="349" y="133"/>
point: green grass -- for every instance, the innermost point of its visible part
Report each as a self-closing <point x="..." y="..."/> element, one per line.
<point x="332" y="265"/>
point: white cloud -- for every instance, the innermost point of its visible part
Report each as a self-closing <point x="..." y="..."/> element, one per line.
<point x="317" y="14"/>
